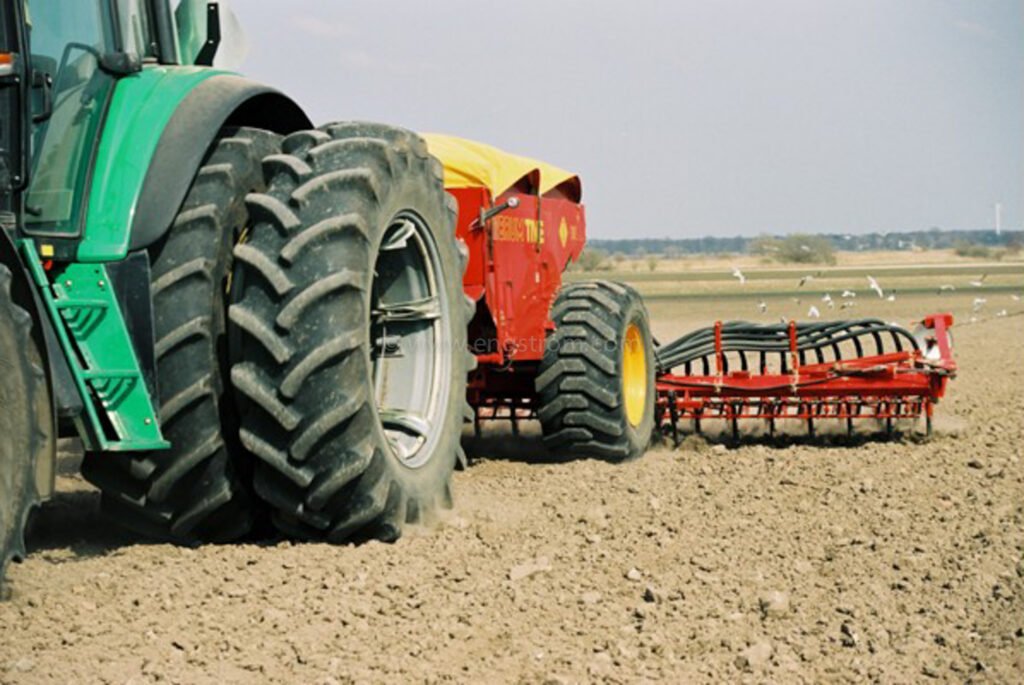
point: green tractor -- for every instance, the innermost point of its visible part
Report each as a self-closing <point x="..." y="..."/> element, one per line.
<point x="245" y="319"/>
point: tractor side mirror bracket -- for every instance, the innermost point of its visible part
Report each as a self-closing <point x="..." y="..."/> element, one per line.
<point x="42" y="82"/>
<point x="209" y="50"/>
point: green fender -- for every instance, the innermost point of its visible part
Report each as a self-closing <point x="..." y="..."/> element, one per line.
<point x="159" y="126"/>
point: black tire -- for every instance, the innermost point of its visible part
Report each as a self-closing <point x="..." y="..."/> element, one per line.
<point x="582" y="395"/>
<point x="308" y="277"/>
<point x="24" y="417"/>
<point x="198" y="490"/>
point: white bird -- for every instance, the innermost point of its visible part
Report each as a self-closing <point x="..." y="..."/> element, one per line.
<point x="1015" y="298"/>
<point x="813" y="312"/>
<point x="805" y="248"/>
<point x="827" y="299"/>
<point x="1002" y="312"/>
<point x="873" y="284"/>
<point x="978" y="302"/>
<point x="891" y="298"/>
<point x="739" y="274"/>
<point x="849" y="294"/>
<point x="762" y="306"/>
<point x="946" y="286"/>
<point x="979" y="282"/>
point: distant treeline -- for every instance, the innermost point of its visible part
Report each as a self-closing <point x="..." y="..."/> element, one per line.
<point x="934" y="239"/>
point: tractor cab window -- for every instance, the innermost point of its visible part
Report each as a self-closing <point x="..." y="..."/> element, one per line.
<point x="137" y="32"/>
<point x="70" y="96"/>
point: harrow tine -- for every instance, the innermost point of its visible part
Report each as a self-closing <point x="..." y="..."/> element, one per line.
<point x="673" y="412"/>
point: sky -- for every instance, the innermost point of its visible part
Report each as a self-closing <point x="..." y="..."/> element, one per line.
<point x="687" y="118"/>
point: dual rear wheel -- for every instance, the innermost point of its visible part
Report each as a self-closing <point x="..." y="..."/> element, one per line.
<point x="313" y="282"/>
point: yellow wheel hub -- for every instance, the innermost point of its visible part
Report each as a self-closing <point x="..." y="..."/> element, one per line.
<point x="634" y="375"/>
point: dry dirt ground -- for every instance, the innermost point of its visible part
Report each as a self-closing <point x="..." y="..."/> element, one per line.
<point x="891" y="562"/>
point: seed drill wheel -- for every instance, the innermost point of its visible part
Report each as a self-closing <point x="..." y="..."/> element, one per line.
<point x="596" y="381"/>
<point x="351" y="327"/>
<point x="24" y="415"/>
<point x="199" y="489"/>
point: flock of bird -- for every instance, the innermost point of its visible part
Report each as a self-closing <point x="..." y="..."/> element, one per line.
<point x="848" y="297"/>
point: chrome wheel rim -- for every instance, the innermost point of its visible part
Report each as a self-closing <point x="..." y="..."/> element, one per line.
<point x="408" y="319"/>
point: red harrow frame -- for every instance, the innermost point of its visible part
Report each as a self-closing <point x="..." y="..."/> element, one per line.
<point x="804" y="372"/>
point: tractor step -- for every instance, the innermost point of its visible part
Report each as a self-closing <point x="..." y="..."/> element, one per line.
<point x="119" y="412"/>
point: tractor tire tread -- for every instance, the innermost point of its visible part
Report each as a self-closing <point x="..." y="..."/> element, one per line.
<point x="581" y="404"/>
<point x="197" y="490"/>
<point x="326" y="476"/>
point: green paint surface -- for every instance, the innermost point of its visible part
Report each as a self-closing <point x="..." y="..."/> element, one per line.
<point x="141" y="108"/>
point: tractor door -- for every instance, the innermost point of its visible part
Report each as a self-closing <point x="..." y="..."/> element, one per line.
<point x="13" y="125"/>
<point x="70" y="96"/>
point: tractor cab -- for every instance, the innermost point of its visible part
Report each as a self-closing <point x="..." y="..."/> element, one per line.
<point x="79" y="51"/>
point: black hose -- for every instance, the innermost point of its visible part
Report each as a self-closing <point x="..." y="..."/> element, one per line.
<point x="743" y="338"/>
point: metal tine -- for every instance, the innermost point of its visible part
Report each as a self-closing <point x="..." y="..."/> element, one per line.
<point x="673" y="412"/>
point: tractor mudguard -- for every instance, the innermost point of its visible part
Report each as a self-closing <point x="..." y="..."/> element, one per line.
<point x="160" y="125"/>
<point x="216" y="102"/>
<point x="63" y="394"/>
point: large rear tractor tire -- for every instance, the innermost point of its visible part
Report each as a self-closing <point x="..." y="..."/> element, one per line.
<point x="596" y="382"/>
<point x="198" y="490"/>
<point x="24" y="411"/>
<point x="352" y="334"/>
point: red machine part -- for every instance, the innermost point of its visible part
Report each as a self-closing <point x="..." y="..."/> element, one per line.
<point x="899" y="385"/>
<point x="516" y="260"/>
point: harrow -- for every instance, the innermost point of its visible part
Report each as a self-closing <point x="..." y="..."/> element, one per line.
<point x="862" y="369"/>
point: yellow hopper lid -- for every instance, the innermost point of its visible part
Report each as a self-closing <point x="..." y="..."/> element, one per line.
<point x="469" y="164"/>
